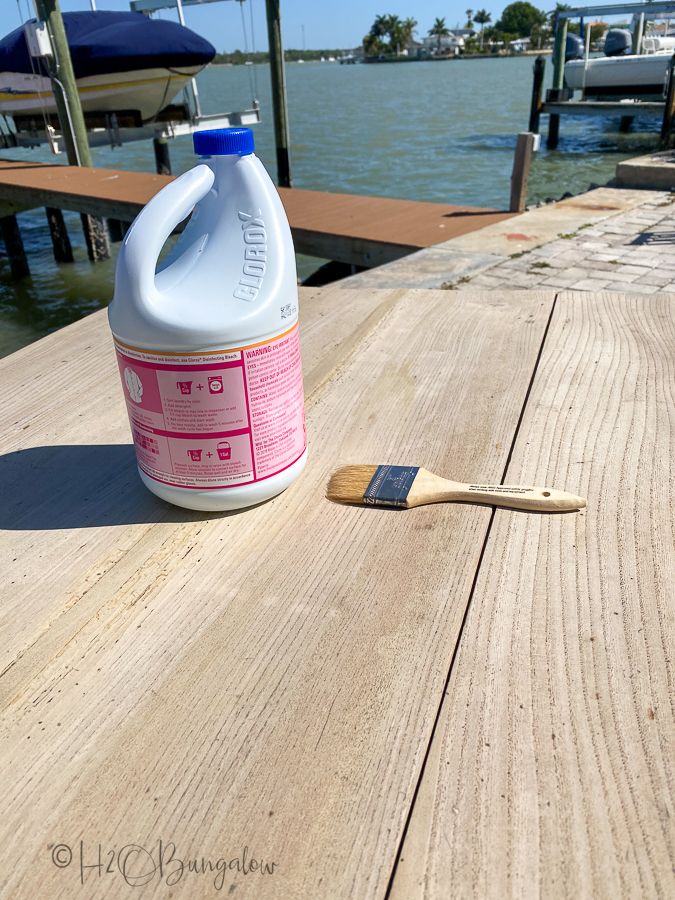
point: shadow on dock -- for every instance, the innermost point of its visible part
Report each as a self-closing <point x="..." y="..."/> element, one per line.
<point x="79" y="486"/>
<point x="654" y="237"/>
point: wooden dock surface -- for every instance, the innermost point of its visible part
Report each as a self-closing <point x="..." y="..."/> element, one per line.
<point x="365" y="231"/>
<point x="449" y="701"/>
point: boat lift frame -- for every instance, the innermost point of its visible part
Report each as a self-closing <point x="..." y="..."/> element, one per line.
<point x="277" y="73"/>
<point x="109" y="129"/>
<point x="118" y="128"/>
<point x="559" y="99"/>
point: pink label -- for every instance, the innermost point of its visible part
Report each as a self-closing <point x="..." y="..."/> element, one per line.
<point x="218" y="419"/>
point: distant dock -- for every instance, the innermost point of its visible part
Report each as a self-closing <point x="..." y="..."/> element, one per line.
<point x="357" y="230"/>
<point x="616" y="92"/>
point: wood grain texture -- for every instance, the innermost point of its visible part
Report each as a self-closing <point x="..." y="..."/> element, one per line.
<point x="269" y="679"/>
<point x="550" y="772"/>
<point x="71" y="504"/>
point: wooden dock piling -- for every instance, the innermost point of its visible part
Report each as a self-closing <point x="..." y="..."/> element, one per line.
<point x="162" y="158"/>
<point x="117" y="229"/>
<point x="521" y="171"/>
<point x="553" y="131"/>
<point x="16" y="253"/>
<point x="559" y="49"/>
<point x="96" y="237"/>
<point x="71" y="117"/>
<point x="537" y="92"/>
<point x="279" y="109"/>
<point x="63" y="251"/>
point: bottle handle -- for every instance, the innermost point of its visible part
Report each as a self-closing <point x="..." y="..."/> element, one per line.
<point x="144" y="241"/>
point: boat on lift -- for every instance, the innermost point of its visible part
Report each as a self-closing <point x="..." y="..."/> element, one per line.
<point x="123" y="61"/>
<point x="620" y="72"/>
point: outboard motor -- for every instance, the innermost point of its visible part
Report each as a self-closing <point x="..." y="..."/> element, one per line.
<point x="619" y="42"/>
<point x="574" y="47"/>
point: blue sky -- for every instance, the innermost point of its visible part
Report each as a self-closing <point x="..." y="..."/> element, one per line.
<point x="338" y="24"/>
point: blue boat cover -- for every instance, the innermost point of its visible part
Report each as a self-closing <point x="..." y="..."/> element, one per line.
<point x="106" y="42"/>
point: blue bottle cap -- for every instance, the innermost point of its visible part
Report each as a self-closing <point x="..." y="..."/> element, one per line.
<point x="223" y="142"/>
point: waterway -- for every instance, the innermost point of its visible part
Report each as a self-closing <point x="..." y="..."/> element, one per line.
<point x="438" y="131"/>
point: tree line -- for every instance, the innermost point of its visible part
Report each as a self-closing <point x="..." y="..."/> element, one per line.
<point x="389" y="34"/>
<point x="239" y="57"/>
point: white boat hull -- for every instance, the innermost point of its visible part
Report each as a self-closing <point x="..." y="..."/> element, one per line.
<point x="620" y="76"/>
<point x="145" y="90"/>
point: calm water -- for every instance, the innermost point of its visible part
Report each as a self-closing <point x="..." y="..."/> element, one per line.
<point x="424" y="131"/>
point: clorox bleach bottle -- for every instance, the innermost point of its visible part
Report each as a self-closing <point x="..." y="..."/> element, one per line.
<point x="208" y="347"/>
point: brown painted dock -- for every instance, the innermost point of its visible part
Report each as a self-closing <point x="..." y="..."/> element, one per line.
<point x="364" y="231"/>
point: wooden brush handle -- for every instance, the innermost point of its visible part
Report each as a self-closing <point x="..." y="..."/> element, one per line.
<point x="540" y="499"/>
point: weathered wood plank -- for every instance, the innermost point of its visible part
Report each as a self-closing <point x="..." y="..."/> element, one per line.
<point x="270" y="679"/>
<point x="550" y="773"/>
<point x="67" y="468"/>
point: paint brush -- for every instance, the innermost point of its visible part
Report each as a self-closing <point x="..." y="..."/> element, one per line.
<point x="408" y="486"/>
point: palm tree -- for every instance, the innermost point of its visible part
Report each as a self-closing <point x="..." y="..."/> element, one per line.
<point x="379" y="26"/>
<point x="469" y="20"/>
<point x="395" y="32"/>
<point x="373" y="44"/>
<point x="409" y="26"/>
<point x="440" y="30"/>
<point x="402" y="33"/>
<point x="386" y="26"/>
<point x="482" y="17"/>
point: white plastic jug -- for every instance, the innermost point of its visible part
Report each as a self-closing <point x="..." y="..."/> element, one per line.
<point x="208" y="347"/>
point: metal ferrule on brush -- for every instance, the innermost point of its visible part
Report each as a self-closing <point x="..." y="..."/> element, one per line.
<point x="390" y="486"/>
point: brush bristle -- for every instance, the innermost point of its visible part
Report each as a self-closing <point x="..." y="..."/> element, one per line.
<point x="349" y="483"/>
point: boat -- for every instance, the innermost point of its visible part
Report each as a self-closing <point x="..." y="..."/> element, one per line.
<point x="621" y="73"/>
<point x="123" y="61"/>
